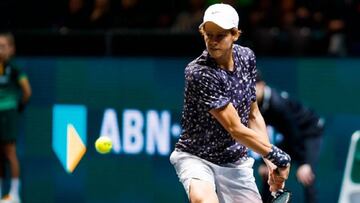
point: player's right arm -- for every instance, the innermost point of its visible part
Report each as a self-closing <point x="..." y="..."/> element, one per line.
<point x="230" y="120"/>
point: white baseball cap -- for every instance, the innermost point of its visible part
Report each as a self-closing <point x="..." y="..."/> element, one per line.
<point x="221" y="14"/>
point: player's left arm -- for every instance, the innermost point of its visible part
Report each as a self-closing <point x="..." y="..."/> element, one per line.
<point x="25" y="89"/>
<point x="277" y="176"/>
<point x="257" y="123"/>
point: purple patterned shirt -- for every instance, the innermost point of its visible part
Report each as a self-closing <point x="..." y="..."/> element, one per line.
<point x="207" y="87"/>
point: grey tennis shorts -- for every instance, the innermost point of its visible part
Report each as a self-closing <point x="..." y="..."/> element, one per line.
<point x="233" y="183"/>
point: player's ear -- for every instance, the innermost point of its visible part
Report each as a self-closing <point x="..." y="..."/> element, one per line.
<point x="202" y="31"/>
<point x="236" y="34"/>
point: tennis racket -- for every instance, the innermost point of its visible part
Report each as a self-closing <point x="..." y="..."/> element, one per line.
<point x="281" y="196"/>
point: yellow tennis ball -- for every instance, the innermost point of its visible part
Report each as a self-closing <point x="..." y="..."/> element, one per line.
<point x="103" y="145"/>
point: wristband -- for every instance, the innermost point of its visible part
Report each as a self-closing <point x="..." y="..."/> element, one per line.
<point x="278" y="157"/>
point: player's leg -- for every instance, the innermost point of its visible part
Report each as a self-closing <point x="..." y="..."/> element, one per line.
<point x="236" y="182"/>
<point x="202" y="192"/>
<point x="9" y="136"/>
<point x="196" y="176"/>
<point x="11" y="156"/>
<point x="4" y="136"/>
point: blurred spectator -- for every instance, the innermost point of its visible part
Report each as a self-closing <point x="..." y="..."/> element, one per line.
<point x="165" y="14"/>
<point x="292" y="38"/>
<point x="190" y="18"/>
<point x="273" y="27"/>
<point x="293" y="27"/>
<point x="262" y="30"/>
<point x="130" y="14"/>
<point x="76" y="15"/>
<point x="100" y="16"/>
<point x="6" y="14"/>
<point x="43" y="14"/>
<point x="318" y="34"/>
<point x="354" y="33"/>
<point x="337" y="38"/>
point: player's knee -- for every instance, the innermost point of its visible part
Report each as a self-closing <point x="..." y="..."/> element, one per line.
<point x="202" y="198"/>
<point x="202" y="192"/>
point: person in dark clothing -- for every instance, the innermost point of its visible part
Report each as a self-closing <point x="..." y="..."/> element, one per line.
<point x="302" y="131"/>
<point x="15" y="92"/>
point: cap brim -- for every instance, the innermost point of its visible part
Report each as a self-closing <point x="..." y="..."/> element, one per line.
<point x="220" y="24"/>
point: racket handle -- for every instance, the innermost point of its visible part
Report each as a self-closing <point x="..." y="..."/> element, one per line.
<point x="274" y="194"/>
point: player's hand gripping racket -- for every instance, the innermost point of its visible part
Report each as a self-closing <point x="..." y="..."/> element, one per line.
<point x="281" y="196"/>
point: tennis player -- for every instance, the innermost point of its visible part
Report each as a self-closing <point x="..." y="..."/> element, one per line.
<point x="221" y="119"/>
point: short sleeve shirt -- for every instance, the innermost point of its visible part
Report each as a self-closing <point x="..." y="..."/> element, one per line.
<point x="9" y="86"/>
<point x="207" y="86"/>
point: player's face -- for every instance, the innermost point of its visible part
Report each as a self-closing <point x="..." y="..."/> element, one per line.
<point x="6" y="50"/>
<point x="218" y="41"/>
